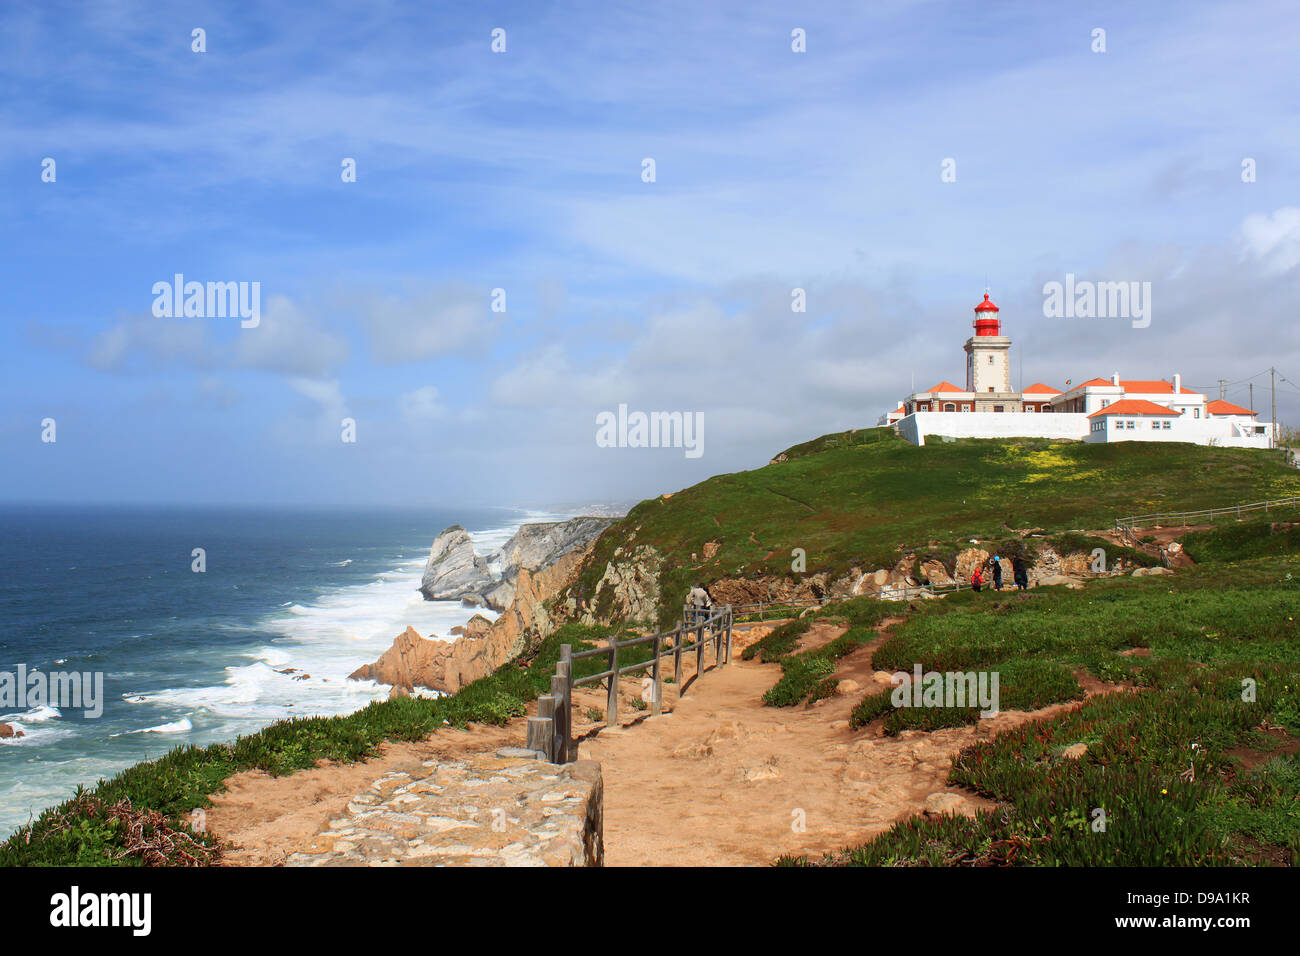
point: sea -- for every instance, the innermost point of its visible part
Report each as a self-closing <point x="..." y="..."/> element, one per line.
<point x="286" y="605"/>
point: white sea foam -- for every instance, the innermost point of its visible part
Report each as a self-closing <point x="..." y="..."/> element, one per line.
<point x="305" y="672"/>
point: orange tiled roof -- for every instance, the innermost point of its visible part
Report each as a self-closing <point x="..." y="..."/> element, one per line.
<point x="1220" y="407"/>
<point x="945" y="387"/>
<point x="1039" y="387"/>
<point x="1135" y="406"/>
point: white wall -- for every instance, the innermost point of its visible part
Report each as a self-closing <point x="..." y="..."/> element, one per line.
<point x="916" y="426"/>
<point x="1224" y="432"/>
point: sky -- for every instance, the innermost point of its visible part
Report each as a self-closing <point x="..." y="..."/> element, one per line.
<point x="523" y="170"/>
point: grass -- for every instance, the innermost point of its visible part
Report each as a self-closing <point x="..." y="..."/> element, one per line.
<point x="79" y="833"/>
<point x="1197" y="767"/>
<point x="1242" y="540"/>
<point x="857" y="498"/>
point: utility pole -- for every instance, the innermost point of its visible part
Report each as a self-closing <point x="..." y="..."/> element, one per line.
<point x="1252" y="396"/>
<point x="1222" y="383"/>
<point x="1272" y="384"/>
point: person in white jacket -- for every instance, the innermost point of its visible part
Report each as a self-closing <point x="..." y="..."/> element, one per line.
<point x="700" y="600"/>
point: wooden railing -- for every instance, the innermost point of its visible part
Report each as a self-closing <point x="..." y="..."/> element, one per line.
<point x="550" y="733"/>
<point x="1167" y="518"/>
<point x="768" y="608"/>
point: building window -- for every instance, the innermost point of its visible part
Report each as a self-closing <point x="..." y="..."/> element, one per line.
<point x="949" y="407"/>
<point x="1029" y="408"/>
<point x="965" y="408"/>
<point x="997" y="408"/>
<point x="990" y="388"/>
<point x="990" y="359"/>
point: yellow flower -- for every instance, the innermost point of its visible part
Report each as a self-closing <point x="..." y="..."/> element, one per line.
<point x="1163" y="790"/>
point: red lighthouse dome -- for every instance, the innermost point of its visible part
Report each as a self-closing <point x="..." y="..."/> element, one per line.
<point x="986" y="318"/>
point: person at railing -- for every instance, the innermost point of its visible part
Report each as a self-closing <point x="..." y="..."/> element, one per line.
<point x="699" y="599"/>
<point x="977" y="579"/>
<point x="997" y="572"/>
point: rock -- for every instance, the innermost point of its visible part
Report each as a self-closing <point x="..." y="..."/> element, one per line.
<point x="629" y="588"/>
<point x="942" y="802"/>
<point x="453" y="571"/>
<point x="935" y="572"/>
<point x="1150" y="572"/>
<point x="1050" y="580"/>
<point x="9" y="730"/>
<point x="1074" y="751"/>
<point x="968" y="560"/>
<point x="693" y="751"/>
<point x="765" y="772"/>
<point x="711" y="549"/>
<point x="883" y="677"/>
<point x="476" y="626"/>
<point x="847" y="687"/>
<point x="398" y="691"/>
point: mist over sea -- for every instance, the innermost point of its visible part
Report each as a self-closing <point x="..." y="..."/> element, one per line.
<point x="290" y="604"/>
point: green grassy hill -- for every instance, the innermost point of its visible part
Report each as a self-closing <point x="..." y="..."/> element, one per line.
<point x="856" y="498"/>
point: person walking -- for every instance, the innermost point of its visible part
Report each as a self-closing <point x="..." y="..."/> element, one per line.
<point x="1019" y="574"/>
<point x="976" y="579"/>
<point x="997" y="573"/>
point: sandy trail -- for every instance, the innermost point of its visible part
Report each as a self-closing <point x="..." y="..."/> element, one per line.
<point x="722" y="779"/>
<point x="718" y="780"/>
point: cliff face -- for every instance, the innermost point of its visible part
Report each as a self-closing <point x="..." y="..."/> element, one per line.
<point x="414" y="661"/>
<point x="455" y="571"/>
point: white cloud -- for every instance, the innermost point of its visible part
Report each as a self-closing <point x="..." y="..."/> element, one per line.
<point x="423" y="404"/>
<point x="1273" y="240"/>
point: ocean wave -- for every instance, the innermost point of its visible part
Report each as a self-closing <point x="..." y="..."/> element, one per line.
<point x="37" y="715"/>
<point x="181" y="726"/>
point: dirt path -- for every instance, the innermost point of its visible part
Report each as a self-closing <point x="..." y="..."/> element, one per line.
<point x="723" y="780"/>
<point x="718" y="780"/>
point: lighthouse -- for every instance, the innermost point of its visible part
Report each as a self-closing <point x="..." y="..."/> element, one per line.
<point x="988" y="361"/>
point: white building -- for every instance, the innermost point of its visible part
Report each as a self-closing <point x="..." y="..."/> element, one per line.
<point x="1098" y="410"/>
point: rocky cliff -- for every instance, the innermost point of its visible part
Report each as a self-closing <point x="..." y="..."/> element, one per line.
<point x="454" y="571"/>
<point x="415" y="661"/>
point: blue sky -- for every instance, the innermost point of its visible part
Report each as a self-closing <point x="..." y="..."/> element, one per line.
<point x="522" y="171"/>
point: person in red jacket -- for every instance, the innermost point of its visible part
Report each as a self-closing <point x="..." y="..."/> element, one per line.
<point x="976" y="579"/>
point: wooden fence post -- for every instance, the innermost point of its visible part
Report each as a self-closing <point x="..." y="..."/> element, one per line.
<point x="677" y="657"/>
<point x="560" y="754"/>
<point x="730" y="618"/>
<point x="565" y="670"/>
<point x="541" y="729"/>
<point x="699" y="650"/>
<point x="657" y="689"/>
<point x="611" y="702"/>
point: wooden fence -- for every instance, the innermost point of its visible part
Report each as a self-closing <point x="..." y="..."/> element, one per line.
<point x="1184" y="518"/>
<point x="550" y="733"/>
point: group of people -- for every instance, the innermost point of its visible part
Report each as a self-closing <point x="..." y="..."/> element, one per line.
<point x="980" y="576"/>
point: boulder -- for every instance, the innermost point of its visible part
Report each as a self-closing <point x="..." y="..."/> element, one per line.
<point x="847" y="687"/>
<point x="935" y="572"/>
<point x="1148" y="572"/>
<point x="453" y="571"/>
<point x="1048" y="580"/>
<point x="1074" y="751"/>
<point x="9" y="730"/>
<point x="943" y="802"/>
<point x="968" y="560"/>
